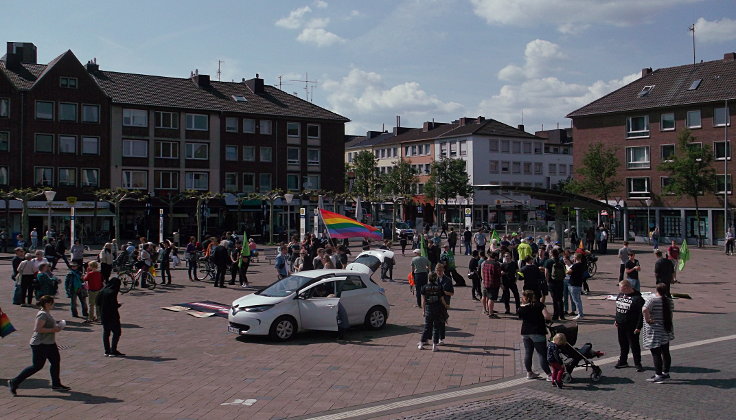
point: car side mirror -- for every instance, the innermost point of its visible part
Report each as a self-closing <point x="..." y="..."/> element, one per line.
<point x="302" y="295"/>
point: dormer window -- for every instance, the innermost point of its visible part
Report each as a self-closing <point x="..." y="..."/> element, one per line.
<point x="645" y="91"/>
<point x="68" y="82"/>
<point x="695" y="84"/>
<point x="239" y="98"/>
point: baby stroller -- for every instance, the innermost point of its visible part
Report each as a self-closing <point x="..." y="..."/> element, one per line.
<point x="575" y="357"/>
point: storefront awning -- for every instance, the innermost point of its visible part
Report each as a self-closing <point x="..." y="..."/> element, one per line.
<point x="67" y="213"/>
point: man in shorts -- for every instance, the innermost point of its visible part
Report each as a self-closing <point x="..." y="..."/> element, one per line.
<point x="491" y="275"/>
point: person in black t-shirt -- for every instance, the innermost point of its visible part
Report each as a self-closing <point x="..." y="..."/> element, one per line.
<point x="664" y="270"/>
<point x="435" y="311"/>
<point x="632" y="269"/>
<point x="577" y="273"/>
<point x="509" y="268"/>
<point x="533" y="332"/>
<point x="532" y="278"/>
<point x="628" y="322"/>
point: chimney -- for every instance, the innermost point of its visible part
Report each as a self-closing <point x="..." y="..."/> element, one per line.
<point x="729" y="57"/>
<point x="256" y="84"/>
<point x="201" y="80"/>
<point x="371" y="134"/>
<point x="520" y="127"/>
<point x="465" y="120"/>
<point x="428" y="125"/>
<point x="20" y="53"/>
<point x="480" y="119"/>
<point x="646" y="71"/>
<point x="92" y="66"/>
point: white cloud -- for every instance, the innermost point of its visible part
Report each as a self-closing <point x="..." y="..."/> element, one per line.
<point x="364" y="97"/>
<point x="295" y="18"/>
<point x="571" y="16"/>
<point x="319" y="37"/>
<point x="715" y="31"/>
<point x="540" y="56"/>
<point x="320" y="4"/>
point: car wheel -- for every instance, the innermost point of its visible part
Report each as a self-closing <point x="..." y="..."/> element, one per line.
<point x="376" y="318"/>
<point x="283" y="328"/>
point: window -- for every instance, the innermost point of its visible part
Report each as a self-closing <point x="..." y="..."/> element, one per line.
<point x="527" y="168"/>
<point x="638" y="187"/>
<point x="722" y="150"/>
<point x="637" y="126"/>
<point x="720" y="179"/>
<point x="249" y="182"/>
<point x="493" y="167"/>
<point x="231" y="125"/>
<point x="239" y="98"/>
<point x="90" y="178"/>
<point x="694" y="85"/>
<point x="516" y="168"/>
<point x="443" y="149"/>
<point x="91" y="113"/>
<point x="231" y="152"/>
<point x="44" y="143"/>
<point x="312" y="182"/>
<point x="4" y="107"/>
<point x="231" y="181"/>
<point x="668" y="150"/>
<point x="562" y="170"/>
<point x="537" y="168"/>
<point x="292" y="155"/>
<point x="637" y="157"/>
<point x="463" y="148"/>
<point x="313" y="131"/>
<point x="196" y="180"/>
<point x="505" y="167"/>
<point x="693" y="119"/>
<point x="166" y="119"/>
<point x="68" y="82"/>
<point x="538" y="148"/>
<point x="645" y="91"/>
<point x="515" y="147"/>
<point x="67" y="177"/>
<point x="667" y="122"/>
<point x="313" y="157"/>
<point x="292" y="182"/>
<point x="505" y="146"/>
<point x="167" y="149"/>
<point x="135" y="148"/>
<point x="4" y="141"/>
<point x="135" y="180"/>
<point x="552" y="169"/>
<point x="4" y="180"/>
<point x="135" y="118"/>
<point x="292" y="129"/>
<point x="264" y="182"/>
<point x="426" y="149"/>
<point x="44" y="110"/>
<point x="721" y="117"/>
<point x="665" y="183"/>
<point x="527" y="147"/>
<point x="67" y="112"/>
<point x="265" y="126"/>
<point x="44" y="176"/>
<point x="493" y="145"/>
<point x="166" y="180"/>
<point x="266" y="154"/>
<point x="198" y="122"/>
<point x="198" y="151"/>
<point x="249" y="125"/>
<point x="249" y="153"/>
<point x="453" y="149"/>
<point x="67" y="144"/>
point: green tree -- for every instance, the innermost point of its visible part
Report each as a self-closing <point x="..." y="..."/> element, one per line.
<point x="597" y="174"/>
<point x="170" y="200"/>
<point x="201" y="198"/>
<point x="448" y="178"/>
<point x="366" y="176"/>
<point x="115" y="196"/>
<point x="399" y="183"/>
<point x="270" y="197"/>
<point x="690" y="172"/>
<point x="24" y="195"/>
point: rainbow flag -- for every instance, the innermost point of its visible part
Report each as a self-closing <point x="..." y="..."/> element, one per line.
<point x="5" y="326"/>
<point x="341" y="227"/>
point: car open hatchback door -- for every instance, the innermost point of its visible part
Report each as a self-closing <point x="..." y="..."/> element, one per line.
<point x="318" y="306"/>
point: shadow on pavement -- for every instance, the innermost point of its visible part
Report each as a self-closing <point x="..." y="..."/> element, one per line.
<point x="715" y="383"/>
<point x="149" y="358"/>
<point x="692" y="369"/>
<point x="82" y="397"/>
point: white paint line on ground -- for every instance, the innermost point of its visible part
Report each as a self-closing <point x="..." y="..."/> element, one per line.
<point x="247" y="402"/>
<point x="485" y="389"/>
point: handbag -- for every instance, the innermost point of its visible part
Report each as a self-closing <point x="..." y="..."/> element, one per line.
<point x="5" y="326"/>
<point x="17" y="295"/>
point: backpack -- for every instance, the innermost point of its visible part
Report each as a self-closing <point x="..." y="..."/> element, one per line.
<point x="558" y="271"/>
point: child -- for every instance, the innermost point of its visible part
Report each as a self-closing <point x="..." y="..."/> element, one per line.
<point x="554" y="359"/>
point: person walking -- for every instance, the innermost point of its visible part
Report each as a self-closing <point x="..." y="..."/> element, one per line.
<point x="658" y="332"/>
<point x="491" y="274"/>
<point x="220" y="258"/>
<point x="467" y="239"/>
<point x="474" y="276"/>
<point x="664" y="270"/>
<point x="629" y="304"/>
<point x="534" y="315"/>
<point x="26" y="271"/>
<point x="435" y="311"/>
<point x="452" y="239"/>
<point x="243" y="264"/>
<point x="43" y="347"/>
<point x="107" y="301"/>
<point x="106" y="260"/>
<point x="94" y="283"/>
<point x="191" y="253"/>
<point x="445" y="283"/>
<point x="77" y="251"/>
<point x="554" y="269"/>
<point x="235" y="263"/>
<point x="49" y="252"/>
<point x="281" y="263"/>
<point x="61" y="252"/>
<point x="164" y="263"/>
<point x="420" y="270"/>
<point x="34" y="238"/>
<point x="655" y="238"/>
<point x="509" y="268"/>
<point x="577" y="273"/>
<point x="623" y="256"/>
<point x="479" y="239"/>
<point x="402" y="242"/>
<point x="673" y="254"/>
<point x="729" y="241"/>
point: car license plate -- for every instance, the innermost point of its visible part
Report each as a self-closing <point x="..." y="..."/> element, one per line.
<point x="233" y="330"/>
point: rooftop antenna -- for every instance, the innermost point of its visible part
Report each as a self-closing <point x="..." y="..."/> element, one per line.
<point x="307" y="82"/>
<point x="219" y="72"/>
<point x="522" y="116"/>
<point x="692" y="29"/>
<point x="280" y="77"/>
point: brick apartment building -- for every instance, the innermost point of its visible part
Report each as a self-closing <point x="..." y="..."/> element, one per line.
<point x="160" y="135"/>
<point x="642" y="120"/>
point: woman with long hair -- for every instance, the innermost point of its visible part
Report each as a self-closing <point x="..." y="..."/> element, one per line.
<point x="533" y="332"/>
<point x="658" y="331"/>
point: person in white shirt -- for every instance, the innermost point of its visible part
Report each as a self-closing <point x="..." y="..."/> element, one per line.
<point x="34" y="239"/>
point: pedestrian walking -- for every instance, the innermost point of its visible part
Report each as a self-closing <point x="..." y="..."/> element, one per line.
<point x="93" y="283"/>
<point x="43" y="347"/>
<point x="577" y="273"/>
<point x="554" y="269"/>
<point x="191" y="257"/>
<point x="623" y="256"/>
<point x="77" y="251"/>
<point x="61" y="252"/>
<point x="445" y="283"/>
<point x="435" y="311"/>
<point x="164" y="263"/>
<point x="452" y="239"/>
<point x="281" y="263"/>
<point x="243" y="264"/>
<point x="34" y="238"/>
<point x="49" y="252"/>
<point x="658" y="331"/>
<point x="629" y="304"/>
<point x="729" y="241"/>
<point x="402" y="242"/>
<point x="420" y="270"/>
<point x="107" y="301"/>
<point x="26" y="271"/>
<point x="467" y="239"/>
<point x="673" y="254"/>
<point x="220" y="258"/>
<point x="664" y="270"/>
<point x="491" y="275"/>
<point x="106" y="259"/>
<point x="655" y="238"/>
<point x="509" y="268"/>
<point x="534" y="315"/>
<point x="479" y="239"/>
<point x="474" y="275"/>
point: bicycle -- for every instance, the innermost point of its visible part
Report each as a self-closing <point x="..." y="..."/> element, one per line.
<point x="205" y="270"/>
<point x="129" y="281"/>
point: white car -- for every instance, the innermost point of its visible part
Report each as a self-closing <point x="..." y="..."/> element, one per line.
<point x="308" y="300"/>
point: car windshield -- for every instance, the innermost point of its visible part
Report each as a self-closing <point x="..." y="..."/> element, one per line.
<point x="402" y="226"/>
<point x="285" y="286"/>
<point x="369" y="261"/>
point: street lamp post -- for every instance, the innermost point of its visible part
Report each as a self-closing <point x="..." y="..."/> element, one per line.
<point x="288" y="198"/>
<point x="648" y="202"/>
<point x="50" y="194"/>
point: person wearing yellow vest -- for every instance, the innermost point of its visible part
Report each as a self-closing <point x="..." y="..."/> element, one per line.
<point x="524" y="250"/>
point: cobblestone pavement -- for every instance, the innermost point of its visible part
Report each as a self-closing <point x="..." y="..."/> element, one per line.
<point x="181" y="367"/>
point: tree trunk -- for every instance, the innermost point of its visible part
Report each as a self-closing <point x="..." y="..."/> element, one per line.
<point x="23" y="219"/>
<point x="199" y="220"/>
<point x="270" y="222"/>
<point x="697" y="223"/>
<point x="116" y="222"/>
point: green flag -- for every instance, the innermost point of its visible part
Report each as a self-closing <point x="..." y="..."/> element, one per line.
<point x="246" y="249"/>
<point x="495" y="236"/>
<point x="684" y="255"/>
<point x="422" y="246"/>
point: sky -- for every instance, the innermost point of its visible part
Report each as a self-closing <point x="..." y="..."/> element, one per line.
<point x="516" y="61"/>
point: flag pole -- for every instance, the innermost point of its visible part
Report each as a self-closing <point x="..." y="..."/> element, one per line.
<point x="321" y="217"/>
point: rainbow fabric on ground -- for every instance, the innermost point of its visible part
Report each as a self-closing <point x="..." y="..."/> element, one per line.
<point x="341" y="227"/>
<point x="5" y="326"/>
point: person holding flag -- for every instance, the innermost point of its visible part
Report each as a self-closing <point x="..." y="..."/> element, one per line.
<point x="684" y="257"/>
<point x="244" y="262"/>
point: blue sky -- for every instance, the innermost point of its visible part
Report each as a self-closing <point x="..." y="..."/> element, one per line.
<point x="374" y="60"/>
